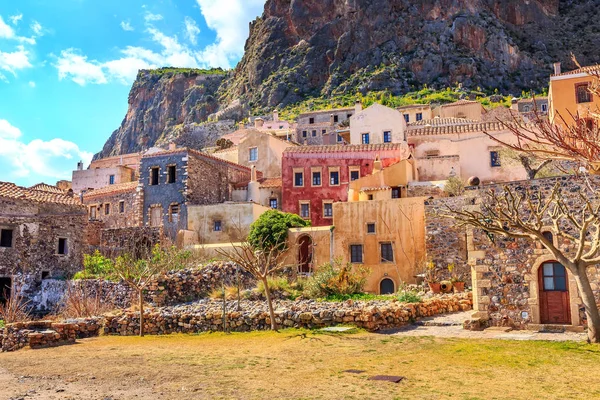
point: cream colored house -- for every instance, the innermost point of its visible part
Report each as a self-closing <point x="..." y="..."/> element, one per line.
<point x="468" y="109"/>
<point x="377" y="124"/>
<point x="416" y="112"/>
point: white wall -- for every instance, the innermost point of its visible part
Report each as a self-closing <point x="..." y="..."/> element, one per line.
<point x="375" y="120"/>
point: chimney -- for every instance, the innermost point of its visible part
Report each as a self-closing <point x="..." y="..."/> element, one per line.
<point x="275" y="116"/>
<point x="358" y="106"/>
<point x="377" y="165"/>
<point x="172" y="146"/>
<point x="253" y="174"/>
<point x="557" y="69"/>
<point x="331" y="119"/>
<point x="80" y="165"/>
<point x="514" y="103"/>
<point x="258" y="123"/>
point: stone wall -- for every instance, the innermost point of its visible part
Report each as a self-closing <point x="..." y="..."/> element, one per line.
<point x="207" y="315"/>
<point x="39" y="334"/>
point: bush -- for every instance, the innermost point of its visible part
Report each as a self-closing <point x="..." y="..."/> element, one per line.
<point x="409" y="297"/>
<point x="78" y="303"/>
<point x="337" y="279"/>
<point x="270" y="230"/>
<point x="95" y="266"/>
<point x="283" y="287"/>
<point x="454" y="186"/>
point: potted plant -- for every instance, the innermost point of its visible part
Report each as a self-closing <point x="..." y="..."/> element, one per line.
<point x="431" y="277"/>
<point x="457" y="278"/>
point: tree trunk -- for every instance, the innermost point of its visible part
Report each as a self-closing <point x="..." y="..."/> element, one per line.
<point x="589" y="302"/>
<point x="141" y="299"/>
<point x="269" y="303"/>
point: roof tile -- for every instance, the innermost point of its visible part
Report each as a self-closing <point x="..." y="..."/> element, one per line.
<point x="12" y="191"/>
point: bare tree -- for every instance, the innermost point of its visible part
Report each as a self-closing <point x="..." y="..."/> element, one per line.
<point x="525" y="214"/>
<point x="261" y="262"/>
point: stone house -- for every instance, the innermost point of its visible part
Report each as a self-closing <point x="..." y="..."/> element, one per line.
<point x="377" y="124"/>
<point x="469" y="109"/>
<point x="531" y="105"/>
<point x="445" y="147"/>
<point x="41" y="237"/>
<point x="416" y="112"/>
<point x="315" y="177"/>
<point x="105" y="172"/>
<point x="569" y="94"/>
<point x="115" y="206"/>
<point x="320" y="127"/>
<point x="175" y="178"/>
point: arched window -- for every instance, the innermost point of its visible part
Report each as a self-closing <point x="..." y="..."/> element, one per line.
<point x="386" y="286"/>
<point x="549" y="236"/>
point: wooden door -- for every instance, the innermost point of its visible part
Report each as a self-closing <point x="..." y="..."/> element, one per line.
<point x="156" y="216"/>
<point x="554" y="294"/>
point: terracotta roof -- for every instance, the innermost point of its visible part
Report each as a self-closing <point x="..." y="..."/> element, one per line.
<point x="457" y="129"/>
<point x="328" y="111"/>
<point x="44" y="187"/>
<point x="582" y="70"/>
<point x="413" y="106"/>
<point x="374" y="188"/>
<point x="237" y="136"/>
<point x="340" y="148"/>
<point x="270" y="183"/>
<point x="441" y="122"/>
<point x="12" y="191"/>
<point x="460" y="103"/>
<point x="184" y="150"/>
<point x="112" y="189"/>
<point x="531" y="99"/>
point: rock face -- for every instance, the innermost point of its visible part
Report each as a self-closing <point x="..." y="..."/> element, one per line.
<point x="315" y="47"/>
<point x="304" y="48"/>
<point x="162" y="106"/>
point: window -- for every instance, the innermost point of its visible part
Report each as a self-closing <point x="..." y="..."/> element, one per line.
<point x="273" y="203"/>
<point x="311" y="120"/>
<point x="45" y="274"/>
<point x="406" y="118"/>
<point x="495" y="159"/>
<point x="432" y="153"/>
<point x="387" y="137"/>
<point x="253" y="154"/>
<point x="62" y="246"/>
<point x="93" y="212"/>
<point x="335" y="118"/>
<point x="348" y="116"/>
<point x="314" y="132"/>
<point x="121" y="206"/>
<point x="583" y="93"/>
<point x="548" y="235"/>
<point x="419" y="116"/>
<point x="107" y="209"/>
<point x="544" y="107"/>
<point x="305" y="209"/>
<point x="370" y="197"/>
<point x="356" y="253"/>
<point x="6" y="238"/>
<point x="340" y="138"/>
<point x="111" y="179"/>
<point x="354" y="175"/>
<point x="304" y="134"/>
<point x="298" y="179"/>
<point x="555" y="277"/>
<point x="327" y="210"/>
<point x="154" y="175"/>
<point x="174" y="213"/>
<point x="334" y="178"/>
<point x="316" y="178"/>
<point x="217" y="227"/>
<point x="324" y="132"/>
<point x="171" y="173"/>
<point x="526" y="108"/>
<point x="365" y="138"/>
<point x="387" y="252"/>
<point x="396" y="193"/>
<point x="371" y="228"/>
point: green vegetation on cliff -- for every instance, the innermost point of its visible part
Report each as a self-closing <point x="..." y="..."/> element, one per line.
<point x="186" y="71"/>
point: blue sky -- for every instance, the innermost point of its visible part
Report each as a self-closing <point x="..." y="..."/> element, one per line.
<point x="66" y="67"/>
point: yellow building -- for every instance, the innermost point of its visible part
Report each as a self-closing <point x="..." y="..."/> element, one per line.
<point x="569" y="94"/>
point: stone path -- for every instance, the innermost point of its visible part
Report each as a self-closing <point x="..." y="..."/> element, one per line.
<point x="450" y="326"/>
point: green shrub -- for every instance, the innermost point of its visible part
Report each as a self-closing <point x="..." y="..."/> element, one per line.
<point x="270" y="230"/>
<point x="409" y="297"/>
<point x="337" y="279"/>
<point x="454" y="186"/>
<point x="95" y="265"/>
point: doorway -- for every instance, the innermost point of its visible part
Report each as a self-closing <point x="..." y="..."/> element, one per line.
<point x="5" y="287"/>
<point x="555" y="305"/>
<point x="386" y="286"/>
<point x="305" y="255"/>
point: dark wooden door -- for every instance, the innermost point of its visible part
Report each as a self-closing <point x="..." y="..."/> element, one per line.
<point x="554" y="294"/>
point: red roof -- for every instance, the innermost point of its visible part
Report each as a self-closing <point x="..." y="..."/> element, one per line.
<point x="197" y="153"/>
<point x="460" y="103"/>
<point x="112" y="190"/>
<point x="582" y="70"/>
<point x="340" y="148"/>
<point x="44" y="187"/>
<point x="270" y="183"/>
<point x="455" y="129"/>
<point x="12" y="191"/>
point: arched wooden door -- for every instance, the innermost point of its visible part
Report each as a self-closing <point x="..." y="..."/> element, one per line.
<point x="554" y="294"/>
<point x="305" y="255"/>
<point x="386" y="286"/>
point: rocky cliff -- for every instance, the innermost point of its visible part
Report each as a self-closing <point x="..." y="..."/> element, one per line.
<point x="319" y="48"/>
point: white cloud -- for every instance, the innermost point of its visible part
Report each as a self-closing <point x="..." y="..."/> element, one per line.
<point x="36" y="28"/>
<point x="149" y="17"/>
<point x="191" y="30"/>
<point x="6" y="31"/>
<point x="53" y="159"/>
<point x="31" y="84"/>
<point x="231" y="28"/>
<point x="126" y="26"/>
<point x="15" y="60"/>
<point x="14" y="19"/>
<point x="72" y="65"/>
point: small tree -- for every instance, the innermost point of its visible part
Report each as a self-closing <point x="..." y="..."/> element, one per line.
<point x="270" y="230"/>
<point x="535" y="167"/>
<point x="454" y="186"/>
<point x="138" y="273"/>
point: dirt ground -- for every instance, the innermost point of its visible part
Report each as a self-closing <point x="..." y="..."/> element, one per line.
<point x="299" y="364"/>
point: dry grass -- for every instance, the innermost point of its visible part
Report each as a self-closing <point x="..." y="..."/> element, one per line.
<point x="295" y="364"/>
